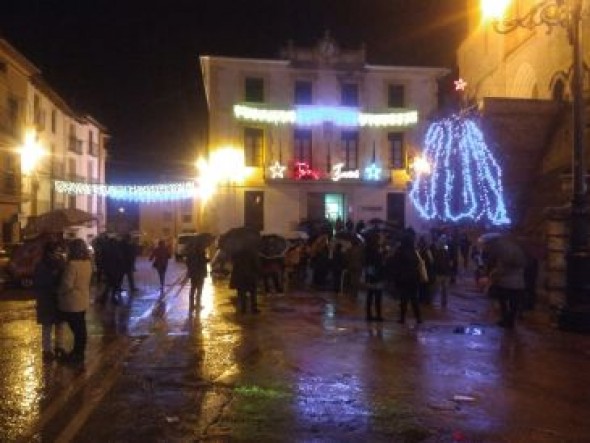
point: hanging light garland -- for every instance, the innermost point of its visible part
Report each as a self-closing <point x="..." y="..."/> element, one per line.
<point x="465" y="181"/>
<point x="304" y="115"/>
<point x="136" y="193"/>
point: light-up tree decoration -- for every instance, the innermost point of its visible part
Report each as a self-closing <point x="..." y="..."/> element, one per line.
<point x="465" y="181"/>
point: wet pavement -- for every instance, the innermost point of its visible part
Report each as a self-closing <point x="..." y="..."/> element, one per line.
<point x="308" y="368"/>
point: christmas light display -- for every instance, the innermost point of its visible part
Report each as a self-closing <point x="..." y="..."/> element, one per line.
<point x="277" y="170"/>
<point x="338" y="173"/>
<point x="302" y="171"/>
<point x="138" y="193"/>
<point x="465" y="181"/>
<point x="373" y="172"/>
<point x="307" y="115"/>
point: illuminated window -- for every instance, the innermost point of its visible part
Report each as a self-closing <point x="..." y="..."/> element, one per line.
<point x="396" y="96"/>
<point x="303" y="92"/>
<point x="349" y="94"/>
<point x="254" y="90"/>
<point x="397" y="154"/>
<point x="253" y="144"/>
<point x="350" y="146"/>
<point x="302" y="146"/>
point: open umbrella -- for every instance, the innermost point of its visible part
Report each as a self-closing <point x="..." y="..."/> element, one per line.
<point x="273" y="245"/>
<point x="203" y="240"/>
<point x="504" y="249"/>
<point x="58" y="220"/>
<point x="238" y="239"/>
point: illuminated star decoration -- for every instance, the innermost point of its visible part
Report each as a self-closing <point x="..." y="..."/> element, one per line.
<point x="460" y="85"/>
<point x="277" y="170"/>
<point x="465" y="182"/>
<point x="373" y="172"/>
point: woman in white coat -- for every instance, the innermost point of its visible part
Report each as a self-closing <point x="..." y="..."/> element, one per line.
<point x="74" y="297"/>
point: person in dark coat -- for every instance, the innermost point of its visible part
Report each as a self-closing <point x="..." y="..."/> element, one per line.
<point x="272" y="271"/>
<point x="425" y="288"/>
<point x="129" y="253"/>
<point x="338" y="266"/>
<point x="442" y="268"/>
<point x="113" y="269"/>
<point x="160" y="256"/>
<point x="244" y="278"/>
<point x="374" y="278"/>
<point x="46" y="280"/>
<point x="196" y="271"/>
<point x="404" y="267"/>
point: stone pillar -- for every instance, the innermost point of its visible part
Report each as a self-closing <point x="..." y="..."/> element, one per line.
<point x="557" y="232"/>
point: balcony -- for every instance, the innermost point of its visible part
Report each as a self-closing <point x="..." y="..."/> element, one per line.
<point x="75" y="145"/>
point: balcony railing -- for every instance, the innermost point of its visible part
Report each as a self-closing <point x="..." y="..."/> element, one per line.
<point x="75" y="145"/>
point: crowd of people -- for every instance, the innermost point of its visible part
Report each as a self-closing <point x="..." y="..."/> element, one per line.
<point x="414" y="269"/>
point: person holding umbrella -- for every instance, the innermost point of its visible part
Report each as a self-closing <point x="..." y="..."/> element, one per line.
<point x="506" y="263"/>
<point x="74" y="297"/>
<point x="244" y="277"/>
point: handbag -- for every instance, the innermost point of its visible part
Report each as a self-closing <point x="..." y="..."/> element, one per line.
<point x="422" y="272"/>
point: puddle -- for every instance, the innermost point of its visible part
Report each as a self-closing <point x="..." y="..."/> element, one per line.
<point x="469" y="330"/>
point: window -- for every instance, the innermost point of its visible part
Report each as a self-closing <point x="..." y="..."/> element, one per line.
<point x="254" y="89"/>
<point x="12" y="115"/>
<point x="167" y="216"/>
<point x="396" y="96"/>
<point x="350" y="144"/>
<point x="90" y="172"/>
<point x="302" y="146"/>
<point x="53" y="121"/>
<point x="303" y="92"/>
<point x="397" y="154"/>
<point x="253" y="142"/>
<point x="72" y="201"/>
<point x="187" y="218"/>
<point x="90" y="204"/>
<point x="72" y="168"/>
<point x="349" y="94"/>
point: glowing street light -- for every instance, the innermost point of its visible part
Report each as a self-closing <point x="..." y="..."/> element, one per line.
<point x="494" y="9"/>
<point x="421" y="165"/>
<point x="567" y="14"/>
<point x="30" y="152"/>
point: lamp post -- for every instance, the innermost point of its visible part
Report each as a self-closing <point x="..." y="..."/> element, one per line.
<point x="567" y="14"/>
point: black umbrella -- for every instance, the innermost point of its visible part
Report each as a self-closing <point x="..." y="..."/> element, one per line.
<point x="202" y="240"/>
<point x="351" y="237"/>
<point x="239" y="239"/>
<point x="273" y="245"/>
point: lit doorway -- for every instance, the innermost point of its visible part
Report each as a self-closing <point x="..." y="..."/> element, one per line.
<point x="334" y="206"/>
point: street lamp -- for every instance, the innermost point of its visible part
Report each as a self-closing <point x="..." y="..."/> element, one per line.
<point x="566" y="14"/>
<point x="31" y="153"/>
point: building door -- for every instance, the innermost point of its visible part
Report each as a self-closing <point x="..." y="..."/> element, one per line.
<point x="315" y="206"/>
<point x="334" y="204"/>
<point x="396" y="204"/>
<point x="254" y="209"/>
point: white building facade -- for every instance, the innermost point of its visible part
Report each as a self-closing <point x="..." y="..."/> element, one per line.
<point x="44" y="140"/>
<point x="317" y="134"/>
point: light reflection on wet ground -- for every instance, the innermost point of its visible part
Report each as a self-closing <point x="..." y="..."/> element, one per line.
<point x="308" y="368"/>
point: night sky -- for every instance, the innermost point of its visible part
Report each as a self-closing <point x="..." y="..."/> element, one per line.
<point x="134" y="65"/>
